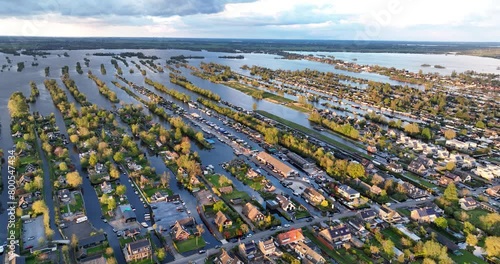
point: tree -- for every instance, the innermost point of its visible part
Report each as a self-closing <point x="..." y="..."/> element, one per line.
<point x="450" y="166"/>
<point x="74" y="139"/>
<point x="412" y="128"/>
<point x="324" y="203"/>
<point x="121" y="189"/>
<point x="74" y="241"/>
<point x="388" y="247"/>
<point x="74" y="179"/>
<point x="160" y="254"/>
<point x="93" y="160"/>
<point x="244" y="228"/>
<point x="63" y="166"/>
<point x="355" y="170"/>
<point x="109" y="251"/>
<point x="165" y="179"/>
<point x="218" y="206"/>
<point x="492" y="244"/>
<point x="114" y="173"/>
<point x="199" y="231"/>
<point x="450" y="193"/>
<point x="39" y="207"/>
<point x="428" y="261"/>
<point x="254" y="106"/>
<point x="480" y="124"/>
<point x="426" y="133"/>
<point x="111" y="204"/>
<point x="450" y="134"/>
<point x="471" y="240"/>
<point x="118" y="157"/>
<point x="374" y="250"/>
<point x="441" y="222"/>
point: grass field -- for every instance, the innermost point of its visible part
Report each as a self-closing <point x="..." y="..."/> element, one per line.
<point x="190" y="244"/>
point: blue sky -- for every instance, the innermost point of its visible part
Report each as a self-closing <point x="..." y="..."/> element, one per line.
<point x="427" y="20"/>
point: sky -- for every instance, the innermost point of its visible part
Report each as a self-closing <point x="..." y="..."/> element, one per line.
<point x="416" y="20"/>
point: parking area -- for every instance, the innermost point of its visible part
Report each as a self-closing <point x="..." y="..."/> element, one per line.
<point x="81" y="230"/>
<point x="33" y="231"/>
<point x="165" y="214"/>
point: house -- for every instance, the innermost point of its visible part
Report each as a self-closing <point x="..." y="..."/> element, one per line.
<point x="267" y="247"/>
<point x="468" y="203"/>
<point x="249" y="252"/>
<point x="25" y="179"/>
<point x="375" y="190"/>
<point x="226" y="189"/>
<point x="348" y="193"/>
<point x="252" y="174"/>
<point x="419" y="166"/>
<point x="178" y="232"/>
<point x="225" y="258"/>
<point x="92" y="241"/>
<point x="250" y="211"/>
<point x="308" y="255"/>
<point x="205" y="198"/>
<point x="25" y="201"/>
<point x="424" y="215"/>
<point x="395" y="167"/>
<point x="367" y="215"/>
<point x="137" y="250"/>
<point x="284" y="203"/>
<point x="132" y="232"/>
<point x="313" y="196"/>
<point x="494" y="191"/>
<point x="64" y="196"/>
<point x="357" y="225"/>
<point x="453" y="177"/>
<point x="299" y="161"/>
<point x="106" y="188"/>
<point x="292" y="236"/>
<point x="281" y="168"/>
<point x="128" y="215"/>
<point x="335" y="234"/>
<point x="388" y="215"/>
<point x="222" y="221"/>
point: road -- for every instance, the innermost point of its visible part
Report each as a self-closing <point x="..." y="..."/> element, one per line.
<point x="199" y="258"/>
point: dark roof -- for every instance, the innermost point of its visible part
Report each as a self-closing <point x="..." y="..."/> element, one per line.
<point x="339" y="231"/>
<point x="444" y="240"/>
<point x="91" y="240"/>
<point x="136" y="245"/>
<point x="426" y="211"/>
<point x="129" y="215"/>
<point x="368" y="213"/>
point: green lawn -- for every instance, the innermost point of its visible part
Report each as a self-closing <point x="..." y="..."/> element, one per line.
<point x="237" y="194"/>
<point x="392" y="234"/>
<point x="302" y="214"/>
<point x="467" y="258"/>
<point x="95" y="250"/>
<point x="76" y="205"/>
<point x="189" y="244"/>
<point x="150" y="191"/>
<point x="312" y="132"/>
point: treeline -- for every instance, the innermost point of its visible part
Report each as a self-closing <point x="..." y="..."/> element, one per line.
<point x="183" y="82"/>
<point x="162" y="88"/>
<point x="121" y="59"/>
<point x="64" y="70"/>
<point x="79" y="68"/>
<point x="118" y="69"/>
<point x="34" y="92"/>
<point x="345" y="129"/>
<point x="73" y="89"/>
<point x="103" y="69"/>
<point x="103" y="89"/>
<point x="86" y="62"/>
<point x="47" y="71"/>
<point x="20" y="66"/>
<point x="59" y="98"/>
